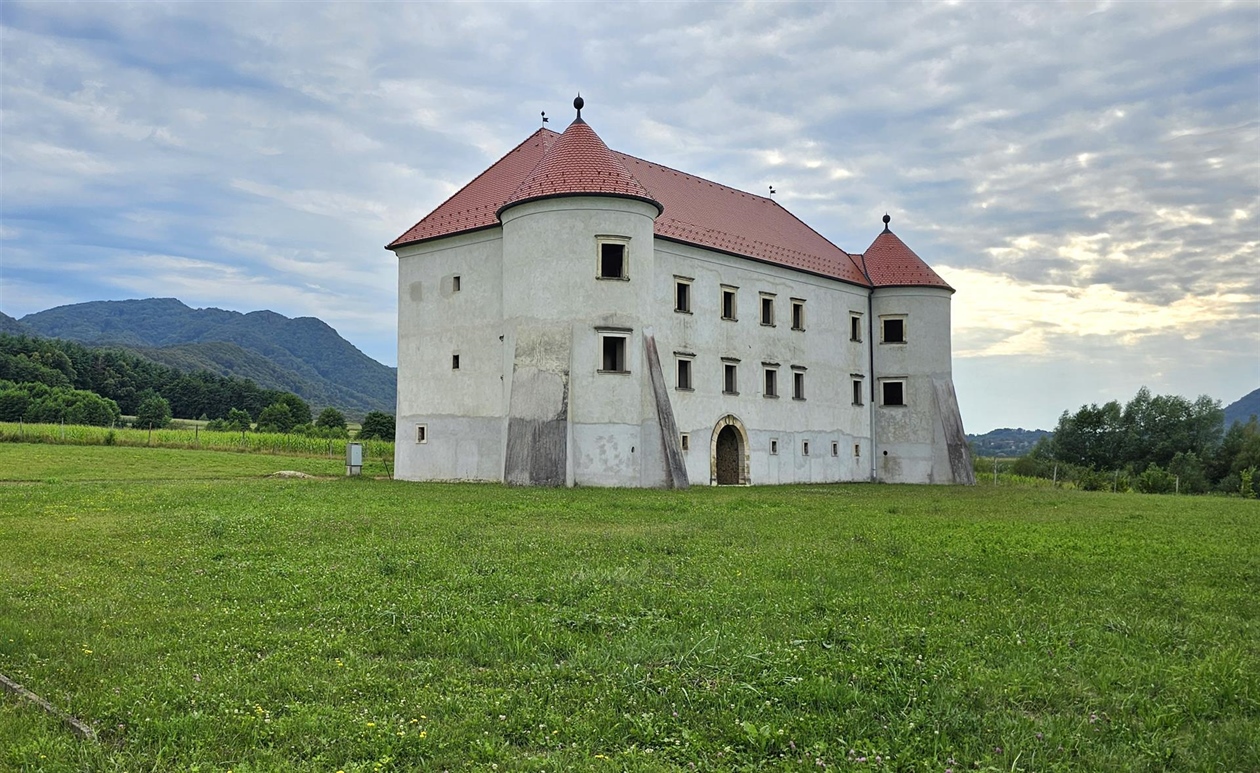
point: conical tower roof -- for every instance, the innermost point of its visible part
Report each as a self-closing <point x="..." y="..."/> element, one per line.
<point x="890" y="263"/>
<point x="578" y="163"/>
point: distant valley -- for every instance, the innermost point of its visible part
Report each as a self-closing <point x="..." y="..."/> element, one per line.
<point x="303" y="355"/>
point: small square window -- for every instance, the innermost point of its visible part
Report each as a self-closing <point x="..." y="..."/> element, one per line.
<point x="894" y="392"/>
<point x="682" y="297"/>
<point x="835" y="449"/>
<point x="805" y="448"/>
<point x="894" y="330"/>
<point x="685" y="441"/>
<point x="798" y="314"/>
<point x="455" y="283"/>
<point x="612" y="260"/>
<point x="728" y="303"/>
<point x="772" y="382"/>
<point x="857" y="391"/>
<point x="422" y="433"/>
<point x="454" y="362"/>
<point x="855" y="327"/>
<point x="774" y="446"/>
<point x="767" y="310"/>
<point x="798" y="385"/>
<point x="614" y="354"/>
<point x="729" y="378"/>
<point x="684" y="374"/>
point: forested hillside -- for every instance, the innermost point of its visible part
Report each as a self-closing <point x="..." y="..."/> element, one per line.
<point x="1243" y="408"/>
<point x="302" y="355"/>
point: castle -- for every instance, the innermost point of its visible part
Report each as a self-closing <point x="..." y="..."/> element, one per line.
<point x="579" y="316"/>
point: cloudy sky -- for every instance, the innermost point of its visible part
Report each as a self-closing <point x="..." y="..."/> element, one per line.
<point x="1086" y="175"/>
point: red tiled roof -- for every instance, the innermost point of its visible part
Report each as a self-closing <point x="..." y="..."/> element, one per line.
<point x="695" y="211"/>
<point x="890" y="263"/>
<point x="578" y="162"/>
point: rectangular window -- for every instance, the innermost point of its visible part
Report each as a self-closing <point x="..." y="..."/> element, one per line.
<point x="804" y="448"/>
<point x="772" y="382"/>
<point x="774" y="446"/>
<point x="835" y="449"/>
<point x="893" y="330"/>
<point x="855" y="327"/>
<point x="857" y="391"/>
<point x="422" y="433"/>
<point x="684" y="373"/>
<point x="455" y="283"/>
<point x="685" y="441"/>
<point x="767" y="310"/>
<point x="798" y="385"/>
<point x="728" y="303"/>
<point x="614" y="354"/>
<point x="454" y="362"/>
<point x="857" y="451"/>
<point x="612" y="260"/>
<point x="798" y="314"/>
<point x="730" y="382"/>
<point x="682" y="296"/>
<point x="893" y="392"/>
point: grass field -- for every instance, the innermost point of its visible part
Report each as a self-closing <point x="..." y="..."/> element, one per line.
<point x="201" y="616"/>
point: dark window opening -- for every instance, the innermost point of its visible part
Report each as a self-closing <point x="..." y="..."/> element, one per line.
<point x="686" y="442"/>
<point x="798" y="386"/>
<point x="728" y="304"/>
<point x="422" y="433"/>
<point x="684" y="374"/>
<point x="774" y="446"/>
<point x="855" y="328"/>
<point x="805" y="448"/>
<point x="894" y="331"/>
<point x="614" y="354"/>
<point x="857" y="391"/>
<point x="612" y="260"/>
<point x="772" y="383"/>
<point x="767" y="311"/>
<point x="835" y="449"/>
<point x="729" y="382"/>
<point x="454" y="362"/>
<point x="682" y="297"/>
<point x="798" y="316"/>
<point x="894" y="393"/>
<point x="455" y="283"/>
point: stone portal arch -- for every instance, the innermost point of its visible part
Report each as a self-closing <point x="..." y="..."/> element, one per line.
<point x="728" y="453"/>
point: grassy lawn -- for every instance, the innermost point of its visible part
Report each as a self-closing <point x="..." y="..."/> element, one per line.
<point x="203" y="617"/>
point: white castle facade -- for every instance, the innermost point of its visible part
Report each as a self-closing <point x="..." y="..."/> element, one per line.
<point x="577" y="316"/>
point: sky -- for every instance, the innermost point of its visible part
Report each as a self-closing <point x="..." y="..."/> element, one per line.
<point x="1085" y="175"/>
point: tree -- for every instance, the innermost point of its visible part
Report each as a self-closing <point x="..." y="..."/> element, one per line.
<point x="154" y="412"/>
<point x="1187" y="469"/>
<point x="298" y="409"/>
<point x="237" y="420"/>
<point x="331" y="418"/>
<point x="276" y="418"/>
<point x="378" y="425"/>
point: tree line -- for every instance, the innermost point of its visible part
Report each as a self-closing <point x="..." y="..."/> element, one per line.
<point x="45" y="380"/>
<point x="1152" y="443"/>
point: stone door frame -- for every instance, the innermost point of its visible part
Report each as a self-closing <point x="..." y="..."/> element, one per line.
<point x="729" y="420"/>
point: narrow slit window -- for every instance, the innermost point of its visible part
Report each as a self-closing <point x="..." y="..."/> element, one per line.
<point x="767" y="310"/>
<point x="857" y="451"/>
<point x="805" y="448"/>
<point x="684" y="374"/>
<point x="729" y="378"/>
<point x="685" y="441"/>
<point x="855" y="327"/>
<point x="422" y="433"/>
<point x="774" y="446"/>
<point x="455" y="283"/>
<point x="682" y="297"/>
<point x="454" y="362"/>
<point x="798" y="385"/>
<point x="857" y="391"/>
<point x="728" y="303"/>
<point x="614" y="354"/>
<point x="835" y="449"/>
<point x="798" y="315"/>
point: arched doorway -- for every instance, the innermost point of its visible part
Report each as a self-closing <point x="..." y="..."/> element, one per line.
<point x="729" y="459"/>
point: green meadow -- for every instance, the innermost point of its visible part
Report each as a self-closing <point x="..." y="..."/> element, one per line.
<point x="202" y="616"/>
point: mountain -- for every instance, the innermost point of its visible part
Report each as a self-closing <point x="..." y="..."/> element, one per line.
<point x="1006" y="442"/>
<point x="1243" y="408"/>
<point x="12" y="326"/>
<point x="302" y="355"/>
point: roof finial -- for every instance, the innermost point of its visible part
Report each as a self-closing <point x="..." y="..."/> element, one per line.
<point x="577" y="104"/>
<point x="544" y="116"/>
<point x="772" y="191"/>
<point x="887" y="220"/>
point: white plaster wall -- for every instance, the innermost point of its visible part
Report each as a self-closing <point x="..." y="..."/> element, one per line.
<point x="461" y="408"/>
<point x="823" y="348"/>
<point x="908" y="442"/>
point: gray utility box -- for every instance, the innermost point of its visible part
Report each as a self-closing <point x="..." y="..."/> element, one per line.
<point x="354" y="458"/>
